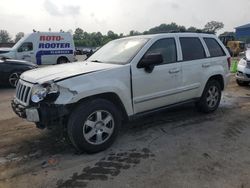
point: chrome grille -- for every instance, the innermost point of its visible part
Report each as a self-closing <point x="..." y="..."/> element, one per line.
<point x="23" y="92"/>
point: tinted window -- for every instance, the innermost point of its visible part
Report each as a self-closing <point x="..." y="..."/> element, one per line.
<point x="214" y="48"/>
<point x="27" y="46"/>
<point x="192" y="48"/>
<point x="167" y="48"/>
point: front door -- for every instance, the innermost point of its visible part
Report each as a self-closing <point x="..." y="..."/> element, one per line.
<point x="160" y="87"/>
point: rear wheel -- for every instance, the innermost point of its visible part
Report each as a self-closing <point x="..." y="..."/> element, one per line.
<point x="13" y="78"/>
<point x="93" y="126"/>
<point x="210" y="98"/>
<point x="242" y="83"/>
<point x="62" y="60"/>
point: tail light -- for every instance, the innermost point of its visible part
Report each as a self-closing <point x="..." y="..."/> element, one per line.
<point x="229" y="62"/>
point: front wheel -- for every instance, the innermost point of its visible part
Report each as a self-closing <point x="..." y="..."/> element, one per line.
<point x="210" y="98"/>
<point x="93" y="126"/>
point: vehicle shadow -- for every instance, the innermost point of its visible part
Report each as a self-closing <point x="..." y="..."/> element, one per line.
<point x="180" y="116"/>
<point x="45" y="143"/>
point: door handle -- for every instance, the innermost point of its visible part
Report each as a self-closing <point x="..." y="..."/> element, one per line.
<point x="206" y="65"/>
<point x="31" y="52"/>
<point x="175" y="70"/>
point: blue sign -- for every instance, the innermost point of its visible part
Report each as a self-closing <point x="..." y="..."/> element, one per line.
<point x="41" y="53"/>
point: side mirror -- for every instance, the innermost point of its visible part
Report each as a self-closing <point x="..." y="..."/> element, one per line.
<point x="148" y="62"/>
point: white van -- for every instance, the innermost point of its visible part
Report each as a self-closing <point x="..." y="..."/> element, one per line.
<point x="43" y="48"/>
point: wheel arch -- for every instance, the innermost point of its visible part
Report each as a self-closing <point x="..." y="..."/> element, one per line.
<point x="110" y="96"/>
<point x="61" y="57"/>
<point x="219" y="78"/>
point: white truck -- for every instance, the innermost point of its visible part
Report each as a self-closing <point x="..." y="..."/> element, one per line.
<point x="126" y="78"/>
<point x="243" y="70"/>
<point x="43" y="48"/>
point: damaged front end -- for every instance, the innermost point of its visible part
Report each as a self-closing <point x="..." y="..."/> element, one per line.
<point x="37" y="103"/>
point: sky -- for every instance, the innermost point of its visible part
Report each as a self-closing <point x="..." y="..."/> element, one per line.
<point x="120" y="16"/>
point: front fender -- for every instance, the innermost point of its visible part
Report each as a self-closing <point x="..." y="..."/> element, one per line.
<point x="110" y="81"/>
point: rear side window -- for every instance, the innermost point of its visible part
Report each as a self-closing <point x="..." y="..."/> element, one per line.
<point x="214" y="47"/>
<point x="167" y="48"/>
<point x="192" y="48"/>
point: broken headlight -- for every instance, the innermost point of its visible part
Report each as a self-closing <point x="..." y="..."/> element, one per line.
<point x="49" y="91"/>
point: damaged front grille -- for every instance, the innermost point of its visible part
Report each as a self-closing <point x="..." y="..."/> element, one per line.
<point x="23" y="92"/>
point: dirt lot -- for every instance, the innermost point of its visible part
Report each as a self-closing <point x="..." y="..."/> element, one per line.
<point x="177" y="148"/>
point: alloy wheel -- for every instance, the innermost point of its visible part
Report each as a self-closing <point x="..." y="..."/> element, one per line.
<point x="98" y="127"/>
<point x="213" y="96"/>
<point x="13" y="79"/>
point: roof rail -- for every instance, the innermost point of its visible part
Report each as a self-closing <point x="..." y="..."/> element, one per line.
<point x="196" y="31"/>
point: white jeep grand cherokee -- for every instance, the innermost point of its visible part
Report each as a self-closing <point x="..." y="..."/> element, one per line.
<point x="126" y="78"/>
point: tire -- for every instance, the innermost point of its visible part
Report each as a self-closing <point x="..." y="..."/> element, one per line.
<point x="242" y="83"/>
<point x="13" y="79"/>
<point x="93" y="126"/>
<point x="210" y="98"/>
<point x="62" y="60"/>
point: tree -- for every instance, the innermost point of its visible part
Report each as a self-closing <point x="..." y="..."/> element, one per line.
<point x="166" y="28"/>
<point x="19" y="36"/>
<point x="228" y="33"/>
<point x="192" y="29"/>
<point x="5" y="36"/>
<point x="213" y="26"/>
<point x="112" y="35"/>
<point x="79" y="34"/>
<point x="134" y="33"/>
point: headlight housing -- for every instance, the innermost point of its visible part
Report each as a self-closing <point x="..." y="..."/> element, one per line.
<point x="48" y="90"/>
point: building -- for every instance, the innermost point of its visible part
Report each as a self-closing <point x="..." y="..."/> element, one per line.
<point x="243" y="32"/>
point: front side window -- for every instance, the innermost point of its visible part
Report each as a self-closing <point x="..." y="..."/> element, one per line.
<point x="192" y="48"/>
<point x="214" y="48"/>
<point x="27" y="46"/>
<point x="165" y="47"/>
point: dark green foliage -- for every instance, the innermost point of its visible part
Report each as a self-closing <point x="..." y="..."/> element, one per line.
<point x="19" y="36"/>
<point x="4" y="36"/>
<point x="213" y="26"/>
<point x="82" y="38"/>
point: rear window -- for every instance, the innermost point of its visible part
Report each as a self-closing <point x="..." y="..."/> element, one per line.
<point x="192" y="48"/>
<point x="214" y="47"/>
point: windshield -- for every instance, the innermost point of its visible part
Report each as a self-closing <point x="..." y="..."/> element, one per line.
<point x="119" y="51"/>
<point x="19" y="42"/>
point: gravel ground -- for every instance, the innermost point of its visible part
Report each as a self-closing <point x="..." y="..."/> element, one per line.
<point x="176" y="148"/>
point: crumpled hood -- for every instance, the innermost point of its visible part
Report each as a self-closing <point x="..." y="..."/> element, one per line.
<point x="63" y="71"/>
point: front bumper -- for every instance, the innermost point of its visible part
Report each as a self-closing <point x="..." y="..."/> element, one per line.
<point x="18" y="109"/>
<point x="46" y="114"/>
<point x="242" y="76"/>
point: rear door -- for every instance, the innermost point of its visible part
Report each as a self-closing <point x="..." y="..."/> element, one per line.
<point x="160" y="87"/>
<point x="194" y="63"/>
